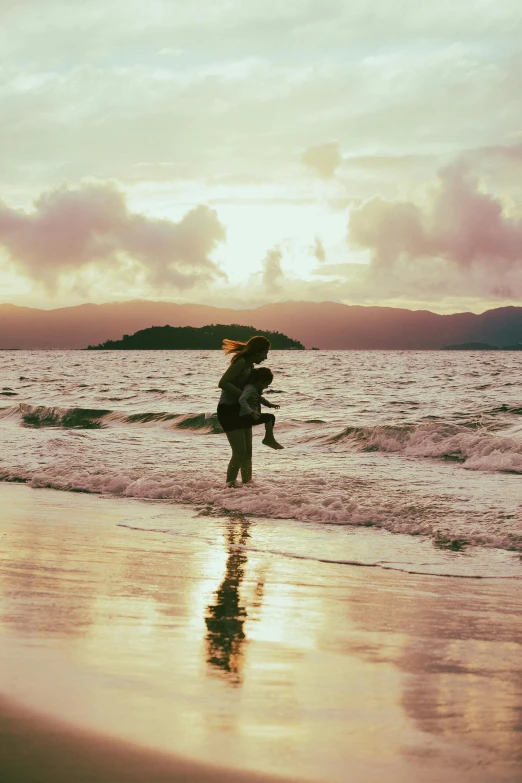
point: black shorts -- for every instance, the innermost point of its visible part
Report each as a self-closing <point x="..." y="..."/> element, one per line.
<point x="230" y="418"/>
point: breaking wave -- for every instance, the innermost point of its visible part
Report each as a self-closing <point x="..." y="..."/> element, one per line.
<point x="475" y="442"/>
<point x="476" y="447"/>
<point x="310" y="499"/>
<point x="37" y="416"/>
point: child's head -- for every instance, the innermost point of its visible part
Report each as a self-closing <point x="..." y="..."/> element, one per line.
<point x="261" y="377"/>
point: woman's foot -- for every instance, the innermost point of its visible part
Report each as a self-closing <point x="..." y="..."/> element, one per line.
<point x="272" y="443"/>
<point x="232" y="484"/>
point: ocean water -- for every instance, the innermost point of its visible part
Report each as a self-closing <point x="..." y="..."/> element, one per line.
<point x="408" y="460"/>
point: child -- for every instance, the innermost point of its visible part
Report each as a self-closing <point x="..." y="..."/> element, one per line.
<point x="258" y="380"/>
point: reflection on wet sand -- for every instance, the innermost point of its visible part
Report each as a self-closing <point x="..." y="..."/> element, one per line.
<point x="461" y="665"/>
<point x="39" y="585"/>
<point x="315" y="669"/>
<point x="225" y="617"/>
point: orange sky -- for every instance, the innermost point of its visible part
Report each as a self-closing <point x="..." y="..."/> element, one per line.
<point x="236" y="153"/>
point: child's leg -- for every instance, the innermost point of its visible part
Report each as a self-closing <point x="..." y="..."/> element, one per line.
<point x="268" y="419"/>
<point x="269" y="439"/>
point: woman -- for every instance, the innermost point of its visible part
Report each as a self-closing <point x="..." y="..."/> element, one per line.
<point x="239" y="433"/>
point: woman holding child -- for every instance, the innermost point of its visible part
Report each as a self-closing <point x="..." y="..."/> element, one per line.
<point x="239" y="405"/>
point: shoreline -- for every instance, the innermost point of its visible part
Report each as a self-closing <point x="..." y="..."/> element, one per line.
<point x="416" y="554"/>
<point x="185" y="637"/>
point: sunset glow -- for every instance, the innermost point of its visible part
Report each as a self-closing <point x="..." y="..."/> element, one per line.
<point x="168" y="152"/>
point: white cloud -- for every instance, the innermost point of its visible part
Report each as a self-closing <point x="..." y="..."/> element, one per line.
<point x="217" y="114"/>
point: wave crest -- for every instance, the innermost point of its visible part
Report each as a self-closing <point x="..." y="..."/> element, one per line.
<point x="70" y="418"/>
<point x="477" y="449"/>
<point x="92" y="418"/>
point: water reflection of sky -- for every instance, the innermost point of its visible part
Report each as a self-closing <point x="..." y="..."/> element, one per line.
<point x="208" y="648"/>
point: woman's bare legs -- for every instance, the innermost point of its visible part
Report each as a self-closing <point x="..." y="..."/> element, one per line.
<point x="246" y="467"/>
<point x="241" y="445"/>
<point x="240" y="453"/>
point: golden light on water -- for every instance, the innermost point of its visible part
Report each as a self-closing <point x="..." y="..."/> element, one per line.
<point x="200" y="644"/>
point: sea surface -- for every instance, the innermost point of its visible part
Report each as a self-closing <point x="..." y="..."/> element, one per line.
<point x="398" y="459"/>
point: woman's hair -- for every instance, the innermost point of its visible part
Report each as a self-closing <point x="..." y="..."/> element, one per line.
<point x="256" y="344"/>
<point x="261" y="375"/>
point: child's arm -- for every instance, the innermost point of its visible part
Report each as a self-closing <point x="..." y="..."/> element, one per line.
<point x="267" y="403"/>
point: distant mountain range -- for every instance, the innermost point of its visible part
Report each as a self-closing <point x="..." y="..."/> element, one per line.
<point x="315" y="324"/>
<point x="190" y="338"/>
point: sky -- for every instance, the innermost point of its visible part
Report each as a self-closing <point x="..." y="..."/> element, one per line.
<point x="240" y="152"/>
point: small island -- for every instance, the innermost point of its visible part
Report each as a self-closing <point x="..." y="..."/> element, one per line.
<point x="190" y="338"/>
<point x="471" y="347"/>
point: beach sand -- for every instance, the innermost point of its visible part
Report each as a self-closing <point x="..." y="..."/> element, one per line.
<point x="37" y="748"/>
<point x="176" y="647"/>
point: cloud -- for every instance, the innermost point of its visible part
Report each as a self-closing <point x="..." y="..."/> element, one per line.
<point x="231" y="27"/>
<point x="511" y="153"/>
<point x="318" y="250"/>
<point x="460" y="238"/>
<point x="89" y="107"/>
<point x="272" y="271"/>
<point x="323" y="159"/>
<point x="73" y="229"/>
<point x="172" y="101"/>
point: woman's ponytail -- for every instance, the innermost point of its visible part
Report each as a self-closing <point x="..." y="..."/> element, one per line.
<point x="239" y="350"/>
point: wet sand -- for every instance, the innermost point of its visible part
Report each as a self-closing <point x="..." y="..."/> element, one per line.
<point x="157" y="653"/>
<point x="35" y="748"/>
